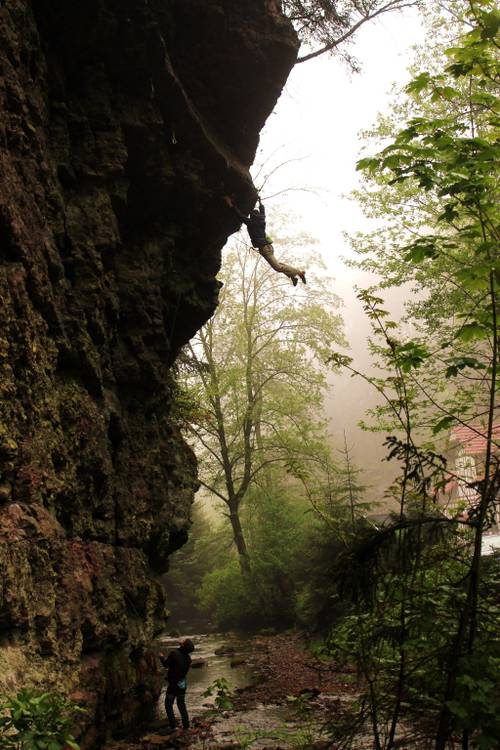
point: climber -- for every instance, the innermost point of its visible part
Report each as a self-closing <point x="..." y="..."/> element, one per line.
<point x="256" y="226"/>
<point x="178" y="663"/>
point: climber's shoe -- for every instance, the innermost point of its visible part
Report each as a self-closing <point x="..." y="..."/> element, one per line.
<point x="302" y="275"/>
<point x="295" y="280"/>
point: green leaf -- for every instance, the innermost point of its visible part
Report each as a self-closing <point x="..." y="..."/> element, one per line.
<point x="369" y="163"/>
<point x="411" y="355"/>
<point x="419" y="83"/>
<point x="491" y="24"/>
<point x="460" y="363"/>
<point x="473" y="332"/>
<point x="421" y="250"/>
<point x="444" y="424"/>
<point x="450" y="213"/>
<point x="391" y="162"/>
<point x="457" y="709"/>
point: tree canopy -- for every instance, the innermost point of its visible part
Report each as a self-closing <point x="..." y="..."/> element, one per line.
<point x="257" y="374"/>
<point x="434" y="189"/>
<point x="329" y="25"/>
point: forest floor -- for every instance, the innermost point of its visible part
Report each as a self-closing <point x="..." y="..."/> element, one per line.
<point x="297" y="702"/>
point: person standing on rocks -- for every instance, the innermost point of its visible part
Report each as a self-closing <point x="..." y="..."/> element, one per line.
<point x="177" y="663"/>
<point x="256" y="226"/>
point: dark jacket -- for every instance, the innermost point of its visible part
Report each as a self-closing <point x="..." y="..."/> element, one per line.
<point x="178" y="663"/>
<point x="256" y="225"/>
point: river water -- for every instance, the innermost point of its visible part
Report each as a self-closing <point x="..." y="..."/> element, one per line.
<point x="259" y="728"/>
<point x="262" y="727"/>
<point x="208" y="666"/>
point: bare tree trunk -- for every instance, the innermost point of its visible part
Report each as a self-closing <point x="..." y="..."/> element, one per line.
<point x="239" y="541"/>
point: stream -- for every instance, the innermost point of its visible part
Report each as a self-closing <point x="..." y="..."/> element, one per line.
<point x="208" y="666"/>
<point x="282" y="701"/>
<point x="255" y="728"/>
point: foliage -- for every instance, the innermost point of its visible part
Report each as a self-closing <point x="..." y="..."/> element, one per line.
<point x="336" y="497"/>
<point x="293" y="554"/>
<point x="343" y="513"/>
<point x="424" y="608"/>
<point x="223" y="694"/>
<point x="301" y="738"/>
<point x="228" y="597"/>
<point x="207" y="548"/>
<point x="32" y="720"/>
<point x="438" y="182"/>
<point x="257" y="373"/>
<point x="246" y="739"/>
<point x="266" y="596"/>
<point x="476" y="703"/>
<point x="275" y="523"/>
<point x="307" y="732"/>
<point x="255" y="382"/>
<point x="432" y="593"/>
<point x="332" y="23"/>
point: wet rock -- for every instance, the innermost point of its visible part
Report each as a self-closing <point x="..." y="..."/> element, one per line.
<point x="154" y="740"/>
<point x="5" y="492"/>
<point x="8" y="447"/>
<point x="224" y="651"/>
<point x="111" y="232"/>
<point x="238" y="661"/>
<point x="310" y="692"/>
<point x="198" y="663"/>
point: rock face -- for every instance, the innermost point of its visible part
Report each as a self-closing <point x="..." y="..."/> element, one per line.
<point x="123" y="122"/>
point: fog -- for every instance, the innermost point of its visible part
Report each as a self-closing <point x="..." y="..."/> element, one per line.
<point x="315" y="126"/>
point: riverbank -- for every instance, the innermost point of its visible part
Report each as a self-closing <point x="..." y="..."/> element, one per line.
<point x="293" y="702"/>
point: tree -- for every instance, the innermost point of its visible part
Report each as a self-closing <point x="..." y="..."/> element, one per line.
<point x="276" y="521"/>
<point x="207" y="547"/>
<point x="340" y="514"/>
<point x="438" y="183"/>
<point x="438" y="180"/>
<point x="333" y="23"/>
<point x="348" y="490"/>
<point x="257" y="375"/>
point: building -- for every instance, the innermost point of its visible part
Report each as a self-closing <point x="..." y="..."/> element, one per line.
<point x="466" y="459"/>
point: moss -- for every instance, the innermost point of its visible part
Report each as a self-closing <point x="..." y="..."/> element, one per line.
<point x="113" y="236"/>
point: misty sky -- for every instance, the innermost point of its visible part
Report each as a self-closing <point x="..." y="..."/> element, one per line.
<point x="317" y="120"/>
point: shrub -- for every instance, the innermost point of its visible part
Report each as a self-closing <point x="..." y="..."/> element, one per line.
<point x="36" y="721"/>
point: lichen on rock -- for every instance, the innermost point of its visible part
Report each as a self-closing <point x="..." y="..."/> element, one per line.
<point x="123" y="124"/>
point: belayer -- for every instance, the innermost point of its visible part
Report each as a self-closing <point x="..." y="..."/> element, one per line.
<point x="178" y="663"/>
<point x="256" y="226"/>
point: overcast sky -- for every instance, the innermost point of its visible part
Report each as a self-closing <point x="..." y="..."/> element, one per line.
<point x="318" y="119"/>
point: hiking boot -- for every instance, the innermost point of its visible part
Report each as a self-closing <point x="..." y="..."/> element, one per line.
<point x="302" y="275"/>
<point x="295" y="280"/>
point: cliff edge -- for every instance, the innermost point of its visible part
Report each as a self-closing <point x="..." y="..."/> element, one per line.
<point x="123" y="123"/>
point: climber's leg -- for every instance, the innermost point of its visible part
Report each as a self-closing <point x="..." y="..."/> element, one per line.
<point x="267" y="252"/>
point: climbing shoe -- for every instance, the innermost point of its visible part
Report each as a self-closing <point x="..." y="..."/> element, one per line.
<point x="303" y="276"/>
<point x="295" y="280"/>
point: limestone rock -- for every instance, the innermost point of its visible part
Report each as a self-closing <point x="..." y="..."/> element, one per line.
<point x="123" y="122"/>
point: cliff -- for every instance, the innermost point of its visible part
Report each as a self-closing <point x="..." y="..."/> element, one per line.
<point x="123" y="122"/>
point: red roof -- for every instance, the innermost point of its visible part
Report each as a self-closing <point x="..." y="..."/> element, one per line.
<point x="473" y="439"/>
